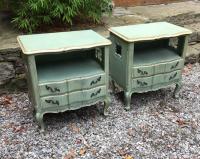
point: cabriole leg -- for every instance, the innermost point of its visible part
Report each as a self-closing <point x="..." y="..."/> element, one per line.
<point x="106" y="106"/>
<point x="39" y="118"/>
<point x="127" y="96"/>
<point x="113" y="85"/>
<point x="177" y="89"/>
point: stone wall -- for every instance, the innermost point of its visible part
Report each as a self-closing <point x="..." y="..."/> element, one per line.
<point x="12" y="73"/>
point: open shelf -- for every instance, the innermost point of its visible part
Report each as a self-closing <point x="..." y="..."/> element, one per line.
<point x="68" y="68"/>
<point x="154" y="56"/>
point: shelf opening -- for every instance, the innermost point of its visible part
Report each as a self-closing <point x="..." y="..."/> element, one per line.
<point x="64" y="66"/>
<point x="155" y="51"/>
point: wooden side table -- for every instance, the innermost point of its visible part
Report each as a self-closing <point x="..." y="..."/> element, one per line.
<point x="146" y="57"/>
<point x="66" y="71"/>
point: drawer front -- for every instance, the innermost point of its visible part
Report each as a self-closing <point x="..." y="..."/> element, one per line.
<point x="142" y="82"/>
<point x="86" y="83"/>
<point x="54" y="101"/>
<point x="94" y="93"/>
<point x="159" y="68"/>
<point x="175" y="65"/>
<point x="53" y="88"/>
<point x="157" y="79"/>
<point x="143" y="71"/>
<point x="74" y="85"/>
<point x="173" y="76"/>
<point x="93" y="81"/>
<point x="76" y="97"/>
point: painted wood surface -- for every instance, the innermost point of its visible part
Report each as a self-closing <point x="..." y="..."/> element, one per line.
<point x="58" y="42"/>
<point x="149" y="31"/>
<point x="61" y="80"/>
<point x="142" y="58"/>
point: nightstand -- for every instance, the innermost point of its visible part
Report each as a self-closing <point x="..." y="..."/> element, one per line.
<point x="147" y="57"/>
<point x="66" y="71"/>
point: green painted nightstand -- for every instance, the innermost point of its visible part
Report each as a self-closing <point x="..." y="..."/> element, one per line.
<point x="146" y="57"/>
<point x="66" y="71"/>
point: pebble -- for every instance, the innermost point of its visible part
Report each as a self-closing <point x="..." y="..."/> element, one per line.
<point x="148" y="130"/>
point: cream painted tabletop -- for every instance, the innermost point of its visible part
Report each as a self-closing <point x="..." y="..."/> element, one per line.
<point x="149" y="31"/>
<point x="62" y="41"/>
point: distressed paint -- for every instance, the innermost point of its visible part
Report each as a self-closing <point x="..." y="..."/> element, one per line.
<point x="61" y="84"/>
<point x="149" y="67"/>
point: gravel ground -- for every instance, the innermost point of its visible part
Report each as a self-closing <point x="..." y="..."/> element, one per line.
<point x="157" y="126"/>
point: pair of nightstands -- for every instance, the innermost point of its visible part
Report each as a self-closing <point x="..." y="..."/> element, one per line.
<point x="70" y="70"/>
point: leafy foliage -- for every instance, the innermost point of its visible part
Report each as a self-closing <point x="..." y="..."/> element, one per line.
<point x="30" y="14"/>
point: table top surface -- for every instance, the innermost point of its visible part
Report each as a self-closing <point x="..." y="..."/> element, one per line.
<point x="149" y="31"/>
<point x="59" y="42"/>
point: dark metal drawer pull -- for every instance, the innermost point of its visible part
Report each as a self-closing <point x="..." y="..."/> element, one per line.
<point x="142" y="72"/>
<point x="172" y="77"/>
<point x="95" y="81"/>
<point x="95" y="94"/>
<point x="142" y="84"/>
<point x="52" y="90"/>
<point x="52" y="102"/>
<point x="174" y="66"/>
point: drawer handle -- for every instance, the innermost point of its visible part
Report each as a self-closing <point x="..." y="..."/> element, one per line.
<point x="52" y="102"/>
<point x="95" y="94"/>
<point x="95" y="81"/>
<point x="172" y="77"/>
<point x="142" y="72"/>
<point x="52" y="90"/>
<point x="142" y="84"/>
<point x="174" y="66"/>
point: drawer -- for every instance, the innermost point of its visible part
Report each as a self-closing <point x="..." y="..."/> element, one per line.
<point x="53" y="88"/>
<point x="173" y="76"/>
<point x="175" y="65"/>
<point x="86" y="83"/>
<point x="76" y="97"/>
<point x="94" y="93"/>
<point x="159" y="68"/>
<point x="54" y="101"/>
<point x="74" y="85"/>
<point x="94" y="81"/>
<point x="142" y="71"/>
<point x="142" y="82"/>
<point x="157" y="79"/>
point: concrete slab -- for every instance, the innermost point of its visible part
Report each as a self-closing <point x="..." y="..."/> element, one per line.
<point x="166" y="10"/>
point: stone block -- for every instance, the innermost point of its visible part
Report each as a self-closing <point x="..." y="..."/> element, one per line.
<point x="7" y="72"/>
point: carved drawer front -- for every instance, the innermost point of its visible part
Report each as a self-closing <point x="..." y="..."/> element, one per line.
<point x="142" y="82"/>
<point x="175" y="65"/>
<point x="54" y="101"/>
<point x="53" y="88"/>
<point x="159" y="68"/>
<point x="94" y="81"/>
<point x="173" y="76"/>
<point x="157" y="79"/>
<point x="75" y="97"/>
<point x="75" y="85"/>
<point x="143" y="71"/>
<point x="86" y="83"/>
<point x="94" y="93"/>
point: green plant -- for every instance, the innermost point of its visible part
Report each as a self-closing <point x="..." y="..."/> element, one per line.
<point x="31" y="14"/>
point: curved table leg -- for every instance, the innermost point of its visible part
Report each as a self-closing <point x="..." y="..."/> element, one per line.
<point x="177" y="89"/>
<point x="127" y="99"/>
<point x="39" y="118"/>
<point x="113" y="85"/>
<point x="106" y="106"/>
